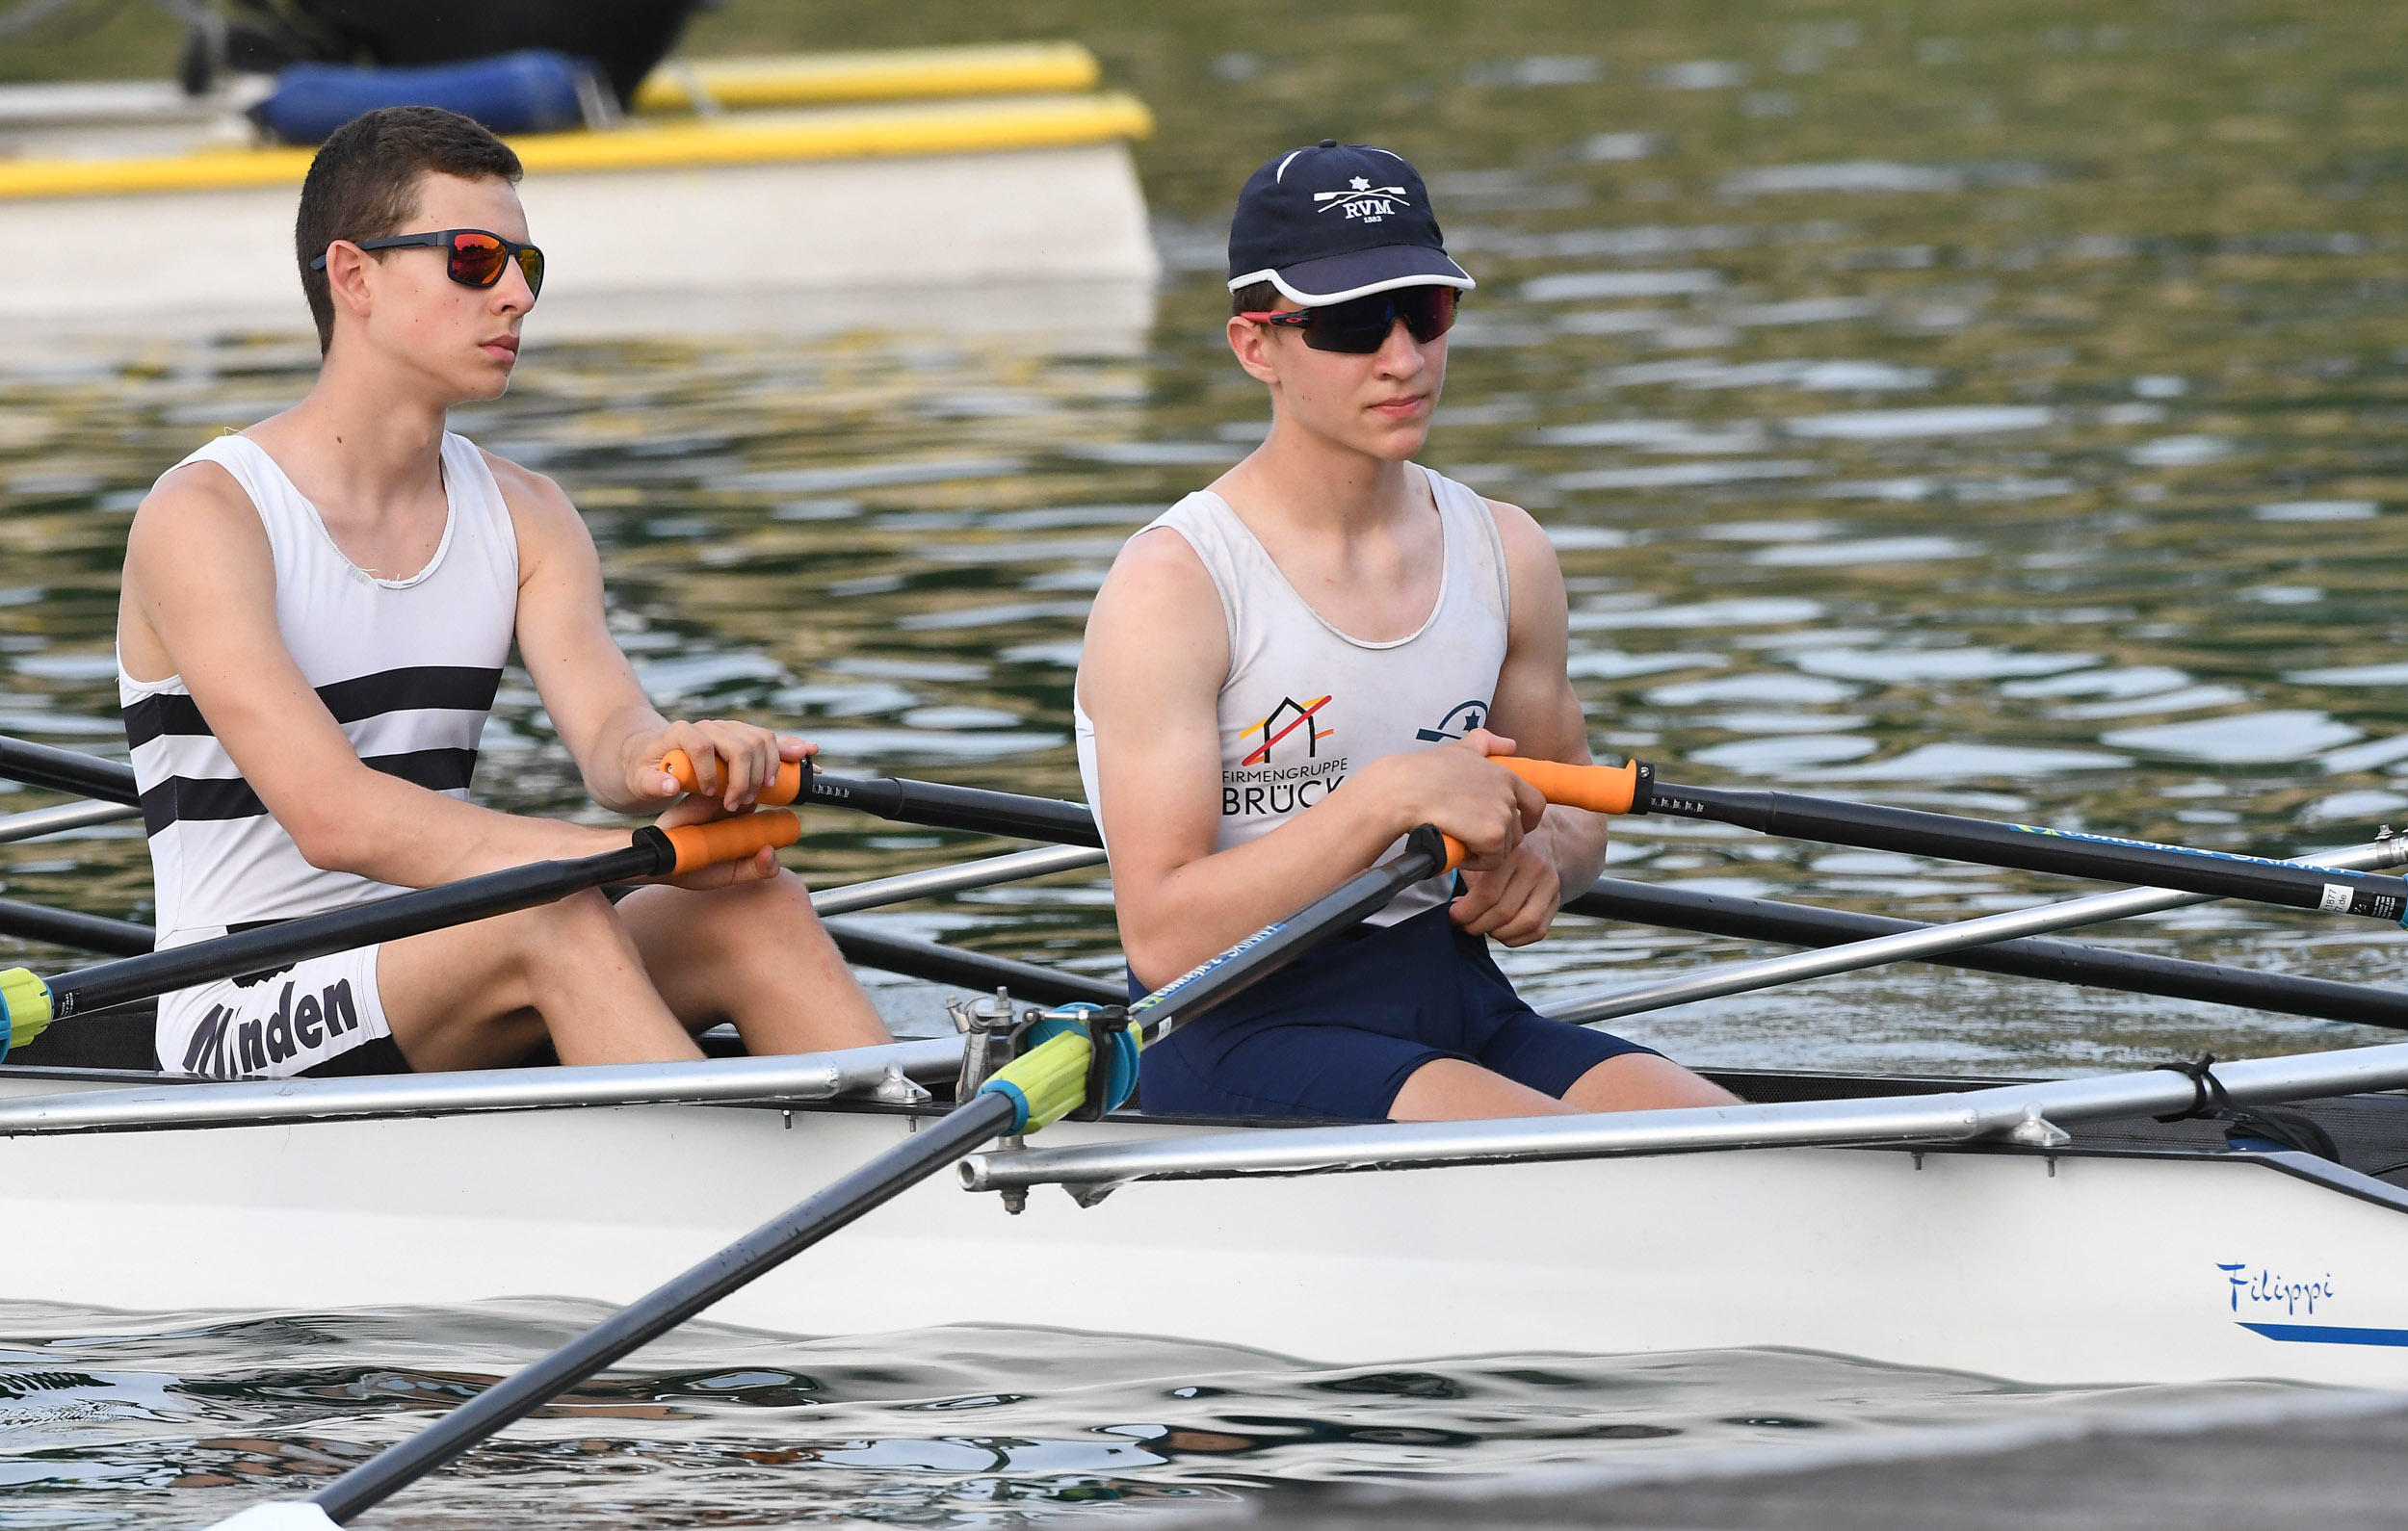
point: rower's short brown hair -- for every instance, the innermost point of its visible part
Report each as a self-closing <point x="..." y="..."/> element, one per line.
<point x="1254" y="298"/>
<point x="365" y="183"/>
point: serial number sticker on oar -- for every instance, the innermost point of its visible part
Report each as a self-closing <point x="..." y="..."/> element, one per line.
<point x="1170" y="992"/>
<point x="2333" y="899"/>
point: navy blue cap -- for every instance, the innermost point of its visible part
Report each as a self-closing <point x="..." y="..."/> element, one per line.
<point x="1336" y="221"/>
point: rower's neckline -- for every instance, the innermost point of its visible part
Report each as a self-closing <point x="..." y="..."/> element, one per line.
<point x="1438" y="601"/>
<point x="434" y="561"/>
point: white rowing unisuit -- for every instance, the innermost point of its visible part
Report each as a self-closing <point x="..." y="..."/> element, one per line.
<point x="407" y="667"/>
<point x="1305" y="706"/>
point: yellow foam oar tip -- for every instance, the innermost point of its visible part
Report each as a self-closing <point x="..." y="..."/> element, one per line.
<point x="25" y="999"/>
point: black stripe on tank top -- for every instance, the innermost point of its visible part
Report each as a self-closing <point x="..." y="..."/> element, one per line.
<point x="458" y="687"/>
<point x="153" y="716"/>
<point x="220" y="798"/>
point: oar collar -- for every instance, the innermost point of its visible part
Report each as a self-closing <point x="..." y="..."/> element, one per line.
<point x="1080" y="1061"/>
<point x="25" y="1008"/>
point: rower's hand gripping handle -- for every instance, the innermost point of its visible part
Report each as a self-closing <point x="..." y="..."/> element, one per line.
<point x="691" y="847"/>
<point x="1599" y="789"/>
<point x="789" y="784"/>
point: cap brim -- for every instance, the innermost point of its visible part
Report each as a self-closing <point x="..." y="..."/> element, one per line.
<point x="1335" y="278"/>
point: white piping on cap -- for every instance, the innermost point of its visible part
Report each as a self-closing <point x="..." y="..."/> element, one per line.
<point x="1322" y="299"/>
<point x="1281" y="173"/>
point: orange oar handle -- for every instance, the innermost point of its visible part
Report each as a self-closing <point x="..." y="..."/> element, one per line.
<point x="1599" y="789"/>
<point x="785" y="790"/>
<point x="1454" y="851"/>
<point x="701" y="845"/>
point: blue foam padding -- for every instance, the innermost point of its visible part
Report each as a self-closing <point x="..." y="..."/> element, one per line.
<point x="534" y="90"/>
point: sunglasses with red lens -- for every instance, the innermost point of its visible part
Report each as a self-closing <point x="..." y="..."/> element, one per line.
<point x="478" y="257"/>
<point x="1360" y="326"/>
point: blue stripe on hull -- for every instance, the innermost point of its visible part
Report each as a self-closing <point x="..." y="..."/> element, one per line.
<point x="2329" y="1334"/>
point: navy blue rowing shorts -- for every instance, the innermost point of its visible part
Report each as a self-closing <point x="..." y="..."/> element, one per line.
<point x="1336" y="1034"/>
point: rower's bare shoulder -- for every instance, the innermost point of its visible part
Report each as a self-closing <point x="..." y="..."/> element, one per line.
<point x="1156" y="607"/>
<point x="1524" y="538"/>
<point x="200" y="579"/>
<point x="1158" y="577"/>
<point x="529" y="493"/>
<point x="1535" y="580"/>
<point x="542" y="513"/>
<point x="1531" y="560"/>
<point x="196" y="518"/>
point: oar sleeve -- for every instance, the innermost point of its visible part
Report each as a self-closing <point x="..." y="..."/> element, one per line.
<point x="701" y="845"/>
<point x="1599" y="789"/>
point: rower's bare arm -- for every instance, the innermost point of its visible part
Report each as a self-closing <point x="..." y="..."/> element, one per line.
<point x="1149" y="680"/>
<point x="1536" y="707"/>
<point x="198" y="600"/>
<point x="590" y="693"/>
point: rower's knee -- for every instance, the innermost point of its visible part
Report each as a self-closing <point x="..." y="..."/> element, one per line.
<point x="747" y="916"/>
<point x="575" y="929"/>
<point x="1643" y="1081"/>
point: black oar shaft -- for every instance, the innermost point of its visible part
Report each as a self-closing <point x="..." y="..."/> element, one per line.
<point x="1790" y="925"/>
<point x="937" y="1144"/>
<point x="67" y="770"/>
<point x="1275" y="945"/>
<point x="970" y="970"/>
<point x="942" y="807"/>
<point x="411" y="914"/>
<point x="2029" y="848"/>
<point x="62" y="927"/>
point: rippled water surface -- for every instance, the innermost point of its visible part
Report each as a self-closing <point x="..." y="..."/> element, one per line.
<point x="175" y="1420"/>
<point x="1988" y="406"/>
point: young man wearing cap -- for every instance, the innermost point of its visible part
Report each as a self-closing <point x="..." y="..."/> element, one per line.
<point x="1287" y="672"/>
<point x="314" y="621"/>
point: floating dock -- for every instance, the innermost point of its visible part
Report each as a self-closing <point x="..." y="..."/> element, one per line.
<point x="809" y="193"/>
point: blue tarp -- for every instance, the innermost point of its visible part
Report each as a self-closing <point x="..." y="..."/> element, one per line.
<point x="534" y="90"/>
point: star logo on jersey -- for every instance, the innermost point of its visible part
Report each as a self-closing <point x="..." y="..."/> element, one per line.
<point x="1460" y="719"/>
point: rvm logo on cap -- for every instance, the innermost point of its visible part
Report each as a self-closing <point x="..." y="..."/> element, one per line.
<point x="1364" y="201"/>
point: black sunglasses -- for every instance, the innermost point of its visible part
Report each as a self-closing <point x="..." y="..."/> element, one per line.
<point x="1360" y="326"/>
<point x="478" y="257"/>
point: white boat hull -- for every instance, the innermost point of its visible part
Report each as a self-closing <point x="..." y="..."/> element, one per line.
<point x="2071" y="1268"/>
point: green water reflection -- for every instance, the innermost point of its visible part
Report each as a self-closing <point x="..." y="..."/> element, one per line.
<point x="1984" y="405"/>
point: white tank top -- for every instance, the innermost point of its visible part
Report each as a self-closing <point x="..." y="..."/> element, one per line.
<point x="409" y="667"/>
<point x="1306" y="706"/>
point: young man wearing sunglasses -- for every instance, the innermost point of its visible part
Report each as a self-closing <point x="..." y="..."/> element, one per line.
<point x="314" y="622"/>
<point x="1287" y="672"/>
